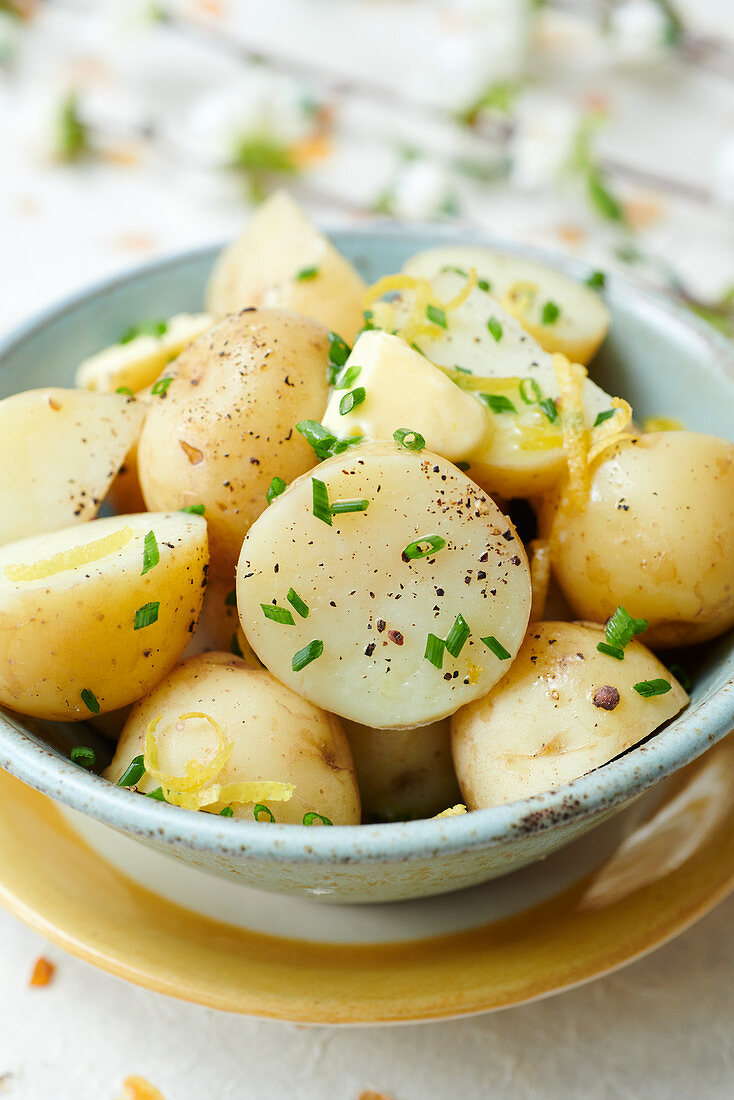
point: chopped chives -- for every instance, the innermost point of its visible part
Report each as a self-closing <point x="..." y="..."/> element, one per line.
<point x="230" y="600"/>
<point x="277" y="614"/>
<point x="341" y="506"/>
<point x="261" y="808"/>
<point x="151" y="553"/>
<point x="550" y="409"/>
<point x="321" y="507"/>
<point x="84" y="756"/>
<point x="537" y="392"/>
<point x="456" y="270"/>
<point x="125" y="390"/>
<point x="485" y="285"/>
<point x="368" y="316"/>
<point x="551" y="313"/>
<point x="681" y="676"/>
<point x="351" y="400"/>
<point x="458" y="636"/>
<point x="434" y="650"/>
<point x="350" y="376"/>
<point x="311" y="817"/>
<point x="194" y="509"/>
<point x="226" y="812"/>
<point x="339" y="352"/>
<point x="648" y="688"/>
<point x="463" y="466"/>
<point x="277" y="486"/>
<point x="411" y="440"/>
<point x="147" y="615"/>
<point x="317" y="436"/>
<point x="495" y="328"/>
<point x="602" y="416"/>
<point x="597" y="280"/>
<point x="90" y="700"/>
<point x="422" y="547"/>
<point x="161" y="386"/>
<point x="306" y="655"/>
<point x="235" y="646"/>
<point x="306" y="273"/>
<point x="145" y="328"/>
<point x="621" y="629"/>
<point x="437" y="315"/>
<point x="497" y="648"/>
<point x="297" y="603"/>
<point x="133" y="773"/>
<point x="462" y="370"/>
<point x="611" y="650"/>
<point x="498" y="403"/>
<point x="157" y="794"/>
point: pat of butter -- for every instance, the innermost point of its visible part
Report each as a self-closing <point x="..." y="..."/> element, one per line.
<point x="404" y="390"/>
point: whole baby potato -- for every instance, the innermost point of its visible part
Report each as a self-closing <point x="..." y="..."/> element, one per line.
<point x="274" y="736"/>
<point x="225" y="424"/>
<point x="656" y="536"/>
<point x="403" y="774"/>
<point x="93" y="616"/>
<point x="562" y="709"/>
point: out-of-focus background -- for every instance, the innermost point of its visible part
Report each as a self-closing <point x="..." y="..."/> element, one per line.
<point x="133" y="128"/>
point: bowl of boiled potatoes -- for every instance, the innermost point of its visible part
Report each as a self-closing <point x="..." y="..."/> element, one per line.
<point x="363" y="567"/>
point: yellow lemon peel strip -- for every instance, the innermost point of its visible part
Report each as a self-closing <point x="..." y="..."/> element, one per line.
<point x="197" y="774"/>
<point x="71" y="559"/>
<point x="571" y="378"/>
<point x="453" y="811"/>
<point x="540" y="571"/>
<point x="519" y="299"/>
<point x="610" y="429"/>
<point x="662" y="424"/>
<point x="464" y="293"/>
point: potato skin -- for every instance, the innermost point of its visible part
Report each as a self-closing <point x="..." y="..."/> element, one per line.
<point x="657" y="536"/>
<point x="403" y="774"/>
<point x="276" y="735"/>
<point x="226" y="424"/>
<point x="74" y="631"/>
<point x="561" y="710"/>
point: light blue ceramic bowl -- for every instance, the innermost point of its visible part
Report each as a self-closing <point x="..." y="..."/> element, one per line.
<point x="659" y="356"/>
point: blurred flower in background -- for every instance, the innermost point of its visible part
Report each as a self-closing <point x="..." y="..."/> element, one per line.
<point x="602" y="127"/>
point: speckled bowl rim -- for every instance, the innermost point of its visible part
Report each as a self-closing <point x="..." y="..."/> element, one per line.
<point x="599" y="791"/>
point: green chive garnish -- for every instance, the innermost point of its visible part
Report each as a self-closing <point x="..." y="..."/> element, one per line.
<point x="339" y="352"/>
<point x="351" y="400"/>
<point x="277" y="486"/>
<point x="611" y="650"/>
<point x="597" y="280"/>
<point x="437" y="315"/>
<point x="125" y="390"/>
<point x="495" y="328"/>
<point x="434" y="650"/>
<point x="230" y="600"/>
<point x="133" y="773"/>
<point x="261" y="808"/>
<point x="83" y="756"/>
<point x="90" y="700"/>
<point x="321" y="507"/>
<point x="318" y="437"/>
<point x="235" y="646"/>
<point x="151" y="553"/>
<point x="145" y="328"/>
<point x="648" y="688"/>
<point x="485" y="285"/>
<point x="551" y="313"/>
<point x="550" y="409"/>
<point x="537" y="392"/>
<point x="456" y="270"/>
<point x="350" y="376"/>
<point x="463" y="466"/>
<point x="161" y="386"/>
<point x="308" y="654"/>
<point x="226" y="812"/>
<point x="194" y="509"/>
<point x="297" y="603"/>
<point x="310" y="817"/>
<point x="147" y="615"/>
<point x="277" y="614"/>
<point x="422" y="547"/>
<point x="306" y="273"/>
<point x="498" y="403"/>
<point x="681" y="676"/>
<point x="602" y="416"/>
<point x="458" y="636"/>
<point x="619" y="631"/>
<point x="157" y="794"/>
<point x="497" y="648"/>
<point x="341" y="506"/>
<point x="406" y="437"/>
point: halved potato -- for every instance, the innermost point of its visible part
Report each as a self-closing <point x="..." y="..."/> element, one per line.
<point x="402" y="388"/>
<point x="136" y="363"/>
<point x="561" y="710"/>
<point x="348" y="583"/>
<point x="59" y="451"/>
<point x="93" y="616"/>
<point x="561" y="313"/>
<point x="270" y="734"/>
<point x="282" y="261"/>
<point x="225" y="425"/>
<point x="403" y="774"/>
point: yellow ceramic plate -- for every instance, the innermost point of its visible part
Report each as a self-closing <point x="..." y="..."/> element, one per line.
<point x="673" y="864"/>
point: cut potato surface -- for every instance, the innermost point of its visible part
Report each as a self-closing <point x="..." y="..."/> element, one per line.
<point x="359" y="597"/>
<point x="269" y="735"/>
<point x="657" y="536"/>
<point x="561" y="313"/>
<point x="136" y="363"/>
<point x="225" y="425"/>
<point x="487" y="353"/>
<point x="59" y="451"/>
<point x="282" y="261"/>
<point x="403" y="774"/>
<point x="561" y="710"/>
<point x="93" y="616"/>
<point x="401" y="387"/>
